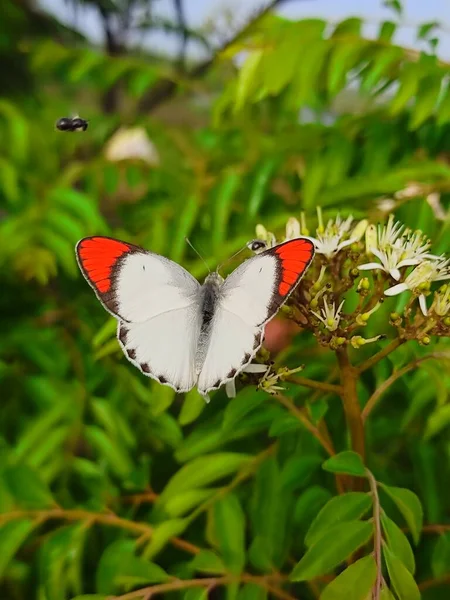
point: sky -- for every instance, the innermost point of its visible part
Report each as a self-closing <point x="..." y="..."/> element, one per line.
<point x="199" y="11"/>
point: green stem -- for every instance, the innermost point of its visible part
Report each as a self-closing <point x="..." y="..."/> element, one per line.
<point x="349" y="396"/>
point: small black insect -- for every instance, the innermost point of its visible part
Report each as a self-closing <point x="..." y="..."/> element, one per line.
<point x="71" y="124"/>
<point x="256" y="245"/>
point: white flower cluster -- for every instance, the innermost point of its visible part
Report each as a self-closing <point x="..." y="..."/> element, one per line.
<point x="393" y="247"/>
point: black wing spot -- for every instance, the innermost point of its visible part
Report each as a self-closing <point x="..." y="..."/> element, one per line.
<point x="123" y="332"/>
<point x="231" y="374"/>
<point x="131" y="353"/>
<point x="145" y="368"/>
<point x="217" y="384"/>
<point x="162" y="379"/>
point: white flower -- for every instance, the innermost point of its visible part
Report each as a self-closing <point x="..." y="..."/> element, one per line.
<point x="396" y="249"/>
<point x="129" y="144"/>
<point x="389" y="233"/>
<point x="334" y="237"/>
<point x="331" y="315"/>
<point x="441" y="304"/>
<point x="420" y="279"/>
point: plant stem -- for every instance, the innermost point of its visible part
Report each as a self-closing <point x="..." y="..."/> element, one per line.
<point x="210" y="583"/>
<point x="377" y="535"/>
<point x="373" y="360"/>
<point x="297" y="412"/>
<point x="109" y="519"/>
<point x="370" y="405"/>
<point x="349" y="377"/>
<point x="316" y="385"/>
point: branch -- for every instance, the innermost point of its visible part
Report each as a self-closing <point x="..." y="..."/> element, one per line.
<point x="349" y="395"/>
<point x="377" y="535"/>
<point x="380" y="355"/>
<point x="393" y="378"/>
<point x="181" y="19"/>
<point x="316" y="385"/>
<point x="429" y="583"/>
<point x="298" y="414"/>
<point x="109" y="519"/>
<point x="165" y="88"/>
<point x="210" y="583"/>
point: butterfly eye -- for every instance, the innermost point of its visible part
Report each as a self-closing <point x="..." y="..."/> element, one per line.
<point x="256" y="245"/>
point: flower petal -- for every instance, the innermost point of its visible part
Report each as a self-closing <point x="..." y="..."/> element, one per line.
<point x="396" y="289"/>
<point x="395" y="274"/>
<point x="230" y="389"/>
<point x="255" y="368"/>
<point x="423" y="304"/>
<point x="369" y="266"/>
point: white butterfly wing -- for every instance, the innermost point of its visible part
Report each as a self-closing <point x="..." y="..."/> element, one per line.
<point x="156" y="302"/>
<point x="250" y="297"/>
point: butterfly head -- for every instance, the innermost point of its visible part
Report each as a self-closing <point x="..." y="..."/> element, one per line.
<point x="214" y="279"/>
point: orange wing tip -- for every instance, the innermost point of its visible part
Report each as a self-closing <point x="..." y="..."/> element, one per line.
<point x="98" y="256"/>
<point x="295" y="257"/>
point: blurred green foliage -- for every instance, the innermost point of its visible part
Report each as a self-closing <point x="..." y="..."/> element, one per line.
<point x="110" y="482"/>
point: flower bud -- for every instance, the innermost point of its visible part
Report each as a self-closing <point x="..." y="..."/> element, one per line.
<point x="371" y="238"/>
<point x="447" y="321"/>
<point x="292" y="229"/>
<point x="425" y="340"/>
<point x="363" y="285"/>
<point x="359" y="230"/>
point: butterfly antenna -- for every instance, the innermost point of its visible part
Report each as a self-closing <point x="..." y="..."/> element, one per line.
<point x="231" y="257"/>
<point x="198" y="254"/>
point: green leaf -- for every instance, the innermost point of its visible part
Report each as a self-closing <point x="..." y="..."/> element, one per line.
<point x="91" y="597"/>
<point x="355" y="583"/>
<point x="438" y="420"/>
<point x="308" y="505"/>
<point x="409" y="82"/>
<point x="207" y="561"/>
<point x="109" y="449"/>
<point x="409" y="505"/>
<point x="184" y="227"/>
<point x="120" y="569"/>
<point x="387" y="30"/>
<point x="386" y="594"/>
<point x="298" y="471"/>
<point x="346" y="462"/>
<point x="332" y="549"/>
<point x="192" y="407"/>
<point x="27" y="487"/>
<point x="222" y="207"/>
<point x="425" y="29"/>
<point x="339" y="509"/>
<point x="426" y="100"/>
<point x="12" y="536"/>
<point x="401" y="579"/>
<point x="229" y="529"/>
<point x="247" y="79"/>
<point x="398" y="543"/>
<point x="239" y="407"/>
<point x="203" y="471"/>
<point x="259" y="185"/>
<point x="440" y="558"/>
<point x="287" y="52"/>
<point x="37" y="431"/>
<point x="251" y="591"/>
<point x="163" y="533"/>
<point x="196" y="594"/>
<point x="182" y="503"/>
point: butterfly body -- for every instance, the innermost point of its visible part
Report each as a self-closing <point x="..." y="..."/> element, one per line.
<point x="178" y="331"/>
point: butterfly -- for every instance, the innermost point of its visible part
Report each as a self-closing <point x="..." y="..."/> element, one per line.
<point x="182" y="333"/>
